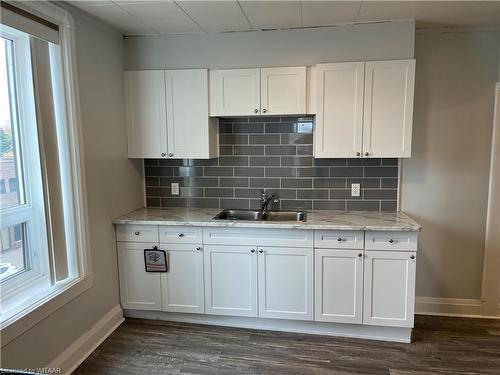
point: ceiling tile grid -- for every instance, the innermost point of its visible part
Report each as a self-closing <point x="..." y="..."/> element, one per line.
<point x="178" y="17"/>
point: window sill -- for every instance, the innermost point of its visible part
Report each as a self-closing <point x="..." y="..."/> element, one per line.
<point x="43" y="307"/>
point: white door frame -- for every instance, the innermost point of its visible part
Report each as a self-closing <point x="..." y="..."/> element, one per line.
<point x="491" y="267"/>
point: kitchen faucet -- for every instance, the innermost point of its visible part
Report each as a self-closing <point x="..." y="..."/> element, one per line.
<point x="265" y="199"/>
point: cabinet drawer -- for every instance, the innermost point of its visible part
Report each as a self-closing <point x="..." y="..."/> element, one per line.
<point x="339" y="239"/>
<point x="258" y="237"/>
<point x="179" y="234"/>
<point x="400" y="241"/>
<point x="137" y="233"/>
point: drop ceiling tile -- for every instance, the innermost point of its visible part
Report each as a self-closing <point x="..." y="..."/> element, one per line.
<point x="216" y="15"/>
<point x="321" y="13"/>
<point x="174" y="27"/>
<point x="386" y="10"/>
<point x="116" y="17"/>
<point x="272" y="14"/>
<point x="149" y="11"/>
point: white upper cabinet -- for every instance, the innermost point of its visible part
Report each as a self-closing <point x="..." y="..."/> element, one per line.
<point x="235" y="92"/>
<point x="146" y="114"/>
<point x="364" y="109"/>
<point x="283" y="90"/>
<point x="251" y="92"/>
<point x="389" y="284"/>
<point x="191" y="134"/>
<point x="388" y="110"/>
<point x="339" y="114"/>
<point x="168" y="115"/>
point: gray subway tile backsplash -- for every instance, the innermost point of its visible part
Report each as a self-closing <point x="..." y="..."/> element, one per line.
<point x="274" y="154"/>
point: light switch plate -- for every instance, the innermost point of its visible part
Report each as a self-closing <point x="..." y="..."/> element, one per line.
<point x="355" y="190"/>
<point x="174" y="186"/>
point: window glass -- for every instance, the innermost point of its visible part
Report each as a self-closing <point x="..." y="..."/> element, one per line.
<point x="10" y="166"/>
<point x="12" y="251"/>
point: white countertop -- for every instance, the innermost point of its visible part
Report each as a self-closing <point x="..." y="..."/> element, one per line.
<point x="333" y="220"/>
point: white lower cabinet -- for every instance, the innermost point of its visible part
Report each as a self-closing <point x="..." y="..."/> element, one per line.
<point x="230" y="280"/>
<point x="139" y="289"/>
<point x="338" y="285"/>
<point x="182" y="286"/>
<point x="353" y="277"/>
<point x="285" y="283"/>
<point x="389" y="284"/>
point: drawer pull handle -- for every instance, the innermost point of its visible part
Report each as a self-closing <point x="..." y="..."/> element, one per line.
<point x="181" y="234"/>
<point x="339" y="239"/>
<point x="360" y="255"/>
<point x="252" y="251"/>
<point x="198" y="248"/>
<point x="412" y="256"/>
<point x="391" y="241"/>
<point x="137" y="233"/>
<point x="261" y="251"/>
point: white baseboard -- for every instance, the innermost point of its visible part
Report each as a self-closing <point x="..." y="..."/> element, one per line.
<point x="77" y="352"/>
<point x="459" y="307"/>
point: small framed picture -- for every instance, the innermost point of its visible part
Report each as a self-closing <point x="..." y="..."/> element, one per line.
<point x="155" y="260"/>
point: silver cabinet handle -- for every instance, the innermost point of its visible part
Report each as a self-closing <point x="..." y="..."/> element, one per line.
<point x="339" y="239"/>
<point x="264" y="110"/>
<point x="412" y="256"/>
<point x="367" y="154"/>
<point x="163" y="154"/>
<point x="256" y="110"/>
<point x="137" y="233"/>
<point x="252" y="251"/>
<point x="391" y="241"/>
<point x="358" y="153"/>
<point x="198" y="248"/>
<point x="360" y="255"/>
<point x="181" y="234"/>
<point x="170" y="155"/>
<point x="261" y="251"/>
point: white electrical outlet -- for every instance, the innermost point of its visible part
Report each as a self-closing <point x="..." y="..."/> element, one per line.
<point x="355" y="190"/>
<point x="175" y="188"/>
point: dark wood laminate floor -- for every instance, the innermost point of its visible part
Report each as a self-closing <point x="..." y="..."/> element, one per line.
<point x="441" y="346"/>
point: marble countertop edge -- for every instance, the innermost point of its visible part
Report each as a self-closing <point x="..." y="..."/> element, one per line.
<point x="320" y="220"/>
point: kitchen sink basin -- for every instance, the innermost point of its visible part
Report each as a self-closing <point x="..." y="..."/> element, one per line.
<point x="285" y="216"/>
<point x="257" y="215"/>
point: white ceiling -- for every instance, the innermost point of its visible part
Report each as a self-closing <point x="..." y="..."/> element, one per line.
<point x="177" y="17"/>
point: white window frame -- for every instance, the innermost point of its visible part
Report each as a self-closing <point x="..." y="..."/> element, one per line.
<point x="24" y="125"/>
<point x="66" y="290"/>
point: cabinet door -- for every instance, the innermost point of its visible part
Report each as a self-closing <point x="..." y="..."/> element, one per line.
<point x="389" y="288"/>
<point x="188" y="124"/>
<point x="338" y="285"/>
<point x="235" y="92"/>
<point x="283" y="90"/>
<point x="388" y="111"/>
<point x="339" y="113"/>
<point x="182" y="285"/>
<point x="139" y="289"/>
<point x="286" y="283"/>
<point x="146" y="114"/>
<point x="230" y="280"/>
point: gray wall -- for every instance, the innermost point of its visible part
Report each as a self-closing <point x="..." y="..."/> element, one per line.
<point x="383" y="41"/>
<point x="445" y="183"/>
<point x="114" y="186"/>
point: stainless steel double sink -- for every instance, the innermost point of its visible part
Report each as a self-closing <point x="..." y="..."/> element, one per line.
<point x="258" y="215"/>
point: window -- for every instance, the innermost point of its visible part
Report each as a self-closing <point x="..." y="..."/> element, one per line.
<point x="24" y="256"/>
<point x="44" y="256"/>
